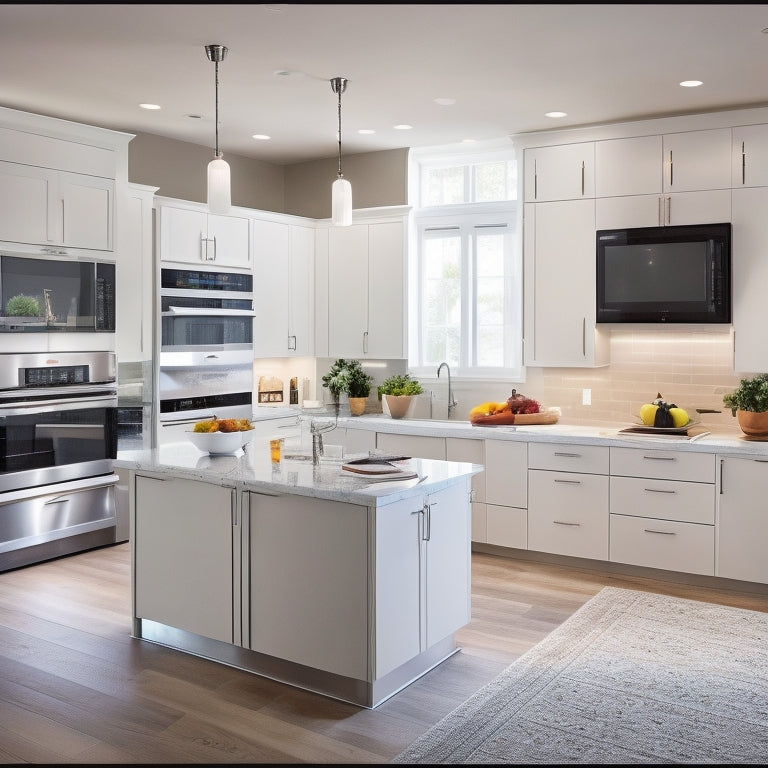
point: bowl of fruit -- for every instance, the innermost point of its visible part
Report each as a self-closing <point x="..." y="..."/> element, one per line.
<point x="517" y="409"/>
<point x="662" y="415"/>
<point x="221" y="436"/>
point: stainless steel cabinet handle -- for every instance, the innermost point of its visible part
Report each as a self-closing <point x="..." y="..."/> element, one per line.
<point x="660" y="458"/>
<point x="365" y="342"/>
<point x="582" y="177"/>
<point x="658" y="490"/>
<point x="660" y="213"/>
<point x="233" y="507"/>
<point x="203" y="247"/>
<point x="568" y="455"/>
<point x="292" y="343"/>
<point x="743" y="164"/>
<point x="562" y="522"/>
<point x="535" y="181"/>
<point x="569" y="482"/>
<point x="671" y="170"/>
<point x="584" y="337"/>
<point x="57" y="500"/>
<point x="668" y="204"/>
<point x="214" y="248"/>
<point x="663" y="533"/>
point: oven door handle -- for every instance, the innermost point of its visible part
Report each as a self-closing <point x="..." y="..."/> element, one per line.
<point x="210" y="311"/>
<point x="63" y="404"/>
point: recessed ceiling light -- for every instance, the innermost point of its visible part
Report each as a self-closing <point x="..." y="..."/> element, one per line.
<point x="149" y="106"/>
<point x="366" y="131"/>
<point x="445" y="102"/>
<point x="403" y="127"/>
<point x="556" y="114"/>
<point x="261" y="137"/>
<point x="691" y="83"/>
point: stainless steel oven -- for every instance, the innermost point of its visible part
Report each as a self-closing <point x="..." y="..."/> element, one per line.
<point x="206" y="349"/>
<point x="58" y="442"/>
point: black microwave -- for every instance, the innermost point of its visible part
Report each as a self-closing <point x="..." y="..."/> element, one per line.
<point x="675" y="274"/>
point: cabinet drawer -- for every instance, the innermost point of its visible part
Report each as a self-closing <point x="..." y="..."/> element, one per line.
<point x="507" y="526"/>
<point x="665" y="465"/>
<point x="562" y="457"/>
<point x="417" y="446"/>
<point x="568" y="514"/>
<point x="663" y="499"/>
<point x="672" y="546"/>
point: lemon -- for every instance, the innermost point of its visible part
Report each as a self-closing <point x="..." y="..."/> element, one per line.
<point x="648" y="413"/>
<point x="679" y="417"/>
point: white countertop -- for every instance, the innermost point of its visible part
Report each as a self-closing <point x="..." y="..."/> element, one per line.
<point x="727" y="442"/>
<point x="252" y="470"/>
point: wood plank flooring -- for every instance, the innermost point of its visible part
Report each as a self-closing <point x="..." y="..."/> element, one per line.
<point x="76" y="688"/>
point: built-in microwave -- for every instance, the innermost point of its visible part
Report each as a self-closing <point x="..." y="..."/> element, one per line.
<point x="673" y="274"/>
<point x="54" y="295"/>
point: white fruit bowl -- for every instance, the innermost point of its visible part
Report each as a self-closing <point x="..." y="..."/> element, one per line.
<point x="220" y="442"/>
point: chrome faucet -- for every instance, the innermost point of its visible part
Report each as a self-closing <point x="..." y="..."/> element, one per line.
<point x="451" y="402"/>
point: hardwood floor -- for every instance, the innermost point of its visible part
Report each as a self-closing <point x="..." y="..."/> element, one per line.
<point x="75" y="687"/>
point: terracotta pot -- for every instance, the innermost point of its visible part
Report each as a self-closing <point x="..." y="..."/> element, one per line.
<point x="398" y="405"/>
<point x="357" y="405"/>
<point x="752" y="423"/>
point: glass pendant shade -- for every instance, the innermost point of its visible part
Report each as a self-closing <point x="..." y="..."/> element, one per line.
<point x="341" y="203"/>
<point x="219" y="194"/>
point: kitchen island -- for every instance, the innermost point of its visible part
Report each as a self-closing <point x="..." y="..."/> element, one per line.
<point x="299" y="572"/>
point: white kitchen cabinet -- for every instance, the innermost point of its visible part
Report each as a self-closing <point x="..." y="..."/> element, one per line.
<point x="742" y="522"/>
<point x="506" y="493"/>
<point x="749" y="276"/>
<point x="322" y="585"/>
<point x="185" y="534"/>
<point x="750" y="156"/>
<point x="365" y="296"/>
<point x="283" y="289"/>
<point x="416" y="446"/>
<point x="679" y="178"/>
<point x="559" y="263"/>
<point x="472" y="451"/>
<point x="43" y="206"/>
<point x="191" y="235"/>
<point x="563" y="172"/>
<point x="135" y="271"/>
<point x="568" y="511"/>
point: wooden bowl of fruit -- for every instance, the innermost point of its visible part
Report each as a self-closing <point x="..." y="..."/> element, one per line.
<point x="517" y="409"/>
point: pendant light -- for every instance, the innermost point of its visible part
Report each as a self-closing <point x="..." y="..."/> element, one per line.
<point x="219" y="188"/>
<point x="341" y="192"/>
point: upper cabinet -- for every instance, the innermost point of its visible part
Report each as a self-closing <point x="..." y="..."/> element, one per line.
<point x="750" y="156"/>
<point x="563" y="172"/>
<point x="361" y="291"/>
<point x="283" y="289"/>
<point x="678" y="178"/>
<point x="191" y="235"/>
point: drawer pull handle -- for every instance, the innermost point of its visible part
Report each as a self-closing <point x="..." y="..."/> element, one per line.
<point x="663" y="533"/>
<point x="568" y="455"/>
<point x="658" y="490"/>
<point x="562" y="522"/>
<point x="569" y="482"/>
<point x="661" y="458"/>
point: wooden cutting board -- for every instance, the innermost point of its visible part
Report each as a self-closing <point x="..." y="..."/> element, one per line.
<point x="547" y="416"/>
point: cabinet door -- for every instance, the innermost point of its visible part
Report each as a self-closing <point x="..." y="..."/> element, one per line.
<point x="472" y="451"/>
<point x="182" y="235"/>
<point x="386" y="291"/>
<point x="87" y="205"/>
<point x="559" y="255"/>
<point x="742" y="524"/>
<point x="448" y="571"/>
<point x="628" y="167"/>
<point x="749" y="277"/>
<point x="565" y="172"/>
<point x="301" y="304"/>
<point x="347" y="290"/>
<point x="323" y="584"/>
<point x="750" y="156"/>
<point x="418" y="446"/>
<point x="506" y="473"/>
<point x="183" y="549"/>
<point x="230" y="236"/>
<point x="26" y="196"/>
<point x="398" y="584"/>
<point x="270" y="288"/>
<point x="697" y="160"/>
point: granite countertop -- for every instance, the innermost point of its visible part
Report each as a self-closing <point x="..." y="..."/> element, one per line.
<point x="725" y="441"/>
<point x="252" y="470"/>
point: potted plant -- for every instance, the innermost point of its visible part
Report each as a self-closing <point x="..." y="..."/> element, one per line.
<point x="336" y="381"/>
<point x="749" y="404"/>
<point x="22" y="306"/>
<point x="358" y="387"/>
<point x="399" y="391"/>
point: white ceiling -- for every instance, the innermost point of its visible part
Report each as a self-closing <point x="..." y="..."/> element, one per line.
<point x="504" y="64"/>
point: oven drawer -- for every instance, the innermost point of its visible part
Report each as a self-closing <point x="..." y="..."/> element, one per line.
<point x="60" y="511"/>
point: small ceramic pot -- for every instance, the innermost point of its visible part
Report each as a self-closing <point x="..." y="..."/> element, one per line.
<point x="399" y="405"/>
<point x="753" y="423"/>
<point x="357" y="405"/>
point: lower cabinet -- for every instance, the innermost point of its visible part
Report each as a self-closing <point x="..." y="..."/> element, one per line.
<point x="506" y="493"/>
<point x="568" y="500"/>
<point x="185" y="534"/>
<point x="742" y="524"/>
<point x="419" y="446"/>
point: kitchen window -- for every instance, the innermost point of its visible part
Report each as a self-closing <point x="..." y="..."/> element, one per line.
<point x="465" y="280"/>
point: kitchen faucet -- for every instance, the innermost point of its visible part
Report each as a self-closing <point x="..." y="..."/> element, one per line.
<point x="451" y="402"/>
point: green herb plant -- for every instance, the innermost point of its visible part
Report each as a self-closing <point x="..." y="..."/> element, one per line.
<point x="400" y="384"/>
<point x="22" y="306"/>
<point x="751" y="395"/>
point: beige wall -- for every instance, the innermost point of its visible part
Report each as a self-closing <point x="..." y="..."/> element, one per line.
<point x="179" y="169"/>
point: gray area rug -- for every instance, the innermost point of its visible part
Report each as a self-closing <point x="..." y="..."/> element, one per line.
<point x="631" y="677"/>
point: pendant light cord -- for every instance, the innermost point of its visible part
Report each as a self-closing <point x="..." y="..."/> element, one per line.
<point x="339" y="91"/>
<point x="216" y="65"/>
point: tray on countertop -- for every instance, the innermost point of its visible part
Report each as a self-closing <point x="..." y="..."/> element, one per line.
<point x="545" y="416"/>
